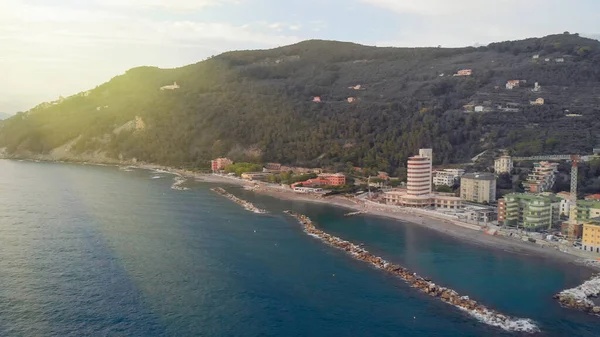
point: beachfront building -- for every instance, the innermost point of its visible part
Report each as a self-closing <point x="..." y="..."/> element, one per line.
<point x="336" y="179"/>
<point x="447" y="177"/>
<point x="479" y="214"/>
<point x="438" y="200"/>
<point x="529" y="211"/>
<point x="419" y="174"/>
<point x="310" y="183"/>
<point x="219" y="164"/>
<point x="590" y="239"/>
<point x="418" y="186"/>
<point x="418" y="191"/>
<point x="478" y="187"/>
<point x="503" y="164"/>
<point x="255" y="175"/>
<point x="542" y="178"/>
<point x="316" y="190"/>
<point x="447" y="201"/>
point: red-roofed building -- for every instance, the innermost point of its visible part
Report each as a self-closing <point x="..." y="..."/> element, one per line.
<point x="336" y="179"/>
<point x="383" y="175"/>
<point x="592" y="197"/>
<point x="311" y="183"/>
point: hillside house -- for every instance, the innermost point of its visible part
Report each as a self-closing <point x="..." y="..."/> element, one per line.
<point x="479" y="108"/>
<point x="511" y="84"/>
<point x="170" y="87"/>
<point x="559" y="60"/>
<point x="536" y="87"/>
<point x="351" y="99"/>
<point x="547" y="59"/>
<point x="356" y="87"/>
<point x="464" y="72"/>
<point x="317" y="99"/>
<point x="539" y="101"/>
<point x="536" y="56"/>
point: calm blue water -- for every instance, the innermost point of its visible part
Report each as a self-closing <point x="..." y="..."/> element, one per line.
<point x="95" y="251"/>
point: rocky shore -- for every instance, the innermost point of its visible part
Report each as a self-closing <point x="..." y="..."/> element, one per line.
<point x="425" y="285"/>
<point x="246" y="204"/>
<point x="580" y="297"/>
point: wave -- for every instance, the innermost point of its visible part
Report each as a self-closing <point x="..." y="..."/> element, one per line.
<point x="446" y="295"/>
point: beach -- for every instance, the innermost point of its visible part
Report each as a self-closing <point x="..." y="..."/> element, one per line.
<point x="464" y="232"/>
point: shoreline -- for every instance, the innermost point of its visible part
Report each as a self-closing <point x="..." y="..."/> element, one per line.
<point x="469" y="234"/>
<point x="447" y="227"/>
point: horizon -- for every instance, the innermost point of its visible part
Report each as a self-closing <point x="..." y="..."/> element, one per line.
<point x="62" y="48"/>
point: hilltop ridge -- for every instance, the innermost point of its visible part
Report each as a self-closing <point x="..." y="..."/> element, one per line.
<point x="330" y="103"/>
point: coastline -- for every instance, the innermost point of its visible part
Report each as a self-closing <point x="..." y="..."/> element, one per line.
<point x="472" y="236"/>
<point x="453" y="229"/>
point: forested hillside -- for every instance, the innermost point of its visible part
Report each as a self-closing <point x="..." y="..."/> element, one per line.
<point x="377" y="106"/>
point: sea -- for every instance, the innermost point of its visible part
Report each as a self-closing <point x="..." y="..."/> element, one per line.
<point x="101" y="251"/>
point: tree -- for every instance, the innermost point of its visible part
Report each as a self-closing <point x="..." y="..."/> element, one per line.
<point x="444" y="189"/>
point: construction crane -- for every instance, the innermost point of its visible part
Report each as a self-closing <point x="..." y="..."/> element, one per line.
<point x="573" y="210"/>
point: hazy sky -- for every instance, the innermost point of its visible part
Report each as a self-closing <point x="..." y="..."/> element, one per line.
<point x="60" y="47"/>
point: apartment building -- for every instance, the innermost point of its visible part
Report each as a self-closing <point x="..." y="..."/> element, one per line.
<point x="447" y="177"/>
<point x="529" y="211"/>
<point x="590" y="239"/>
<point x="542" y="178"/>
<point x="478" y="187"/>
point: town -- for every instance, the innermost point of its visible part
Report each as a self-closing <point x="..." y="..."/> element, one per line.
<point x="474" y="199"/>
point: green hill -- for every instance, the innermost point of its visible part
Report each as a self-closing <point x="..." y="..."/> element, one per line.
<point x="259" y="105"/>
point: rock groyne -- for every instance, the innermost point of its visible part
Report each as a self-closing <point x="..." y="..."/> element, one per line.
<point x="579" y="297"/>
<point x="246" y="204"/>
<point x="426" y="286"/>
<point x="178" y="184"/>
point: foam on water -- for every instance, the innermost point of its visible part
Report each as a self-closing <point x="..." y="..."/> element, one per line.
<point x="510" y="324"/>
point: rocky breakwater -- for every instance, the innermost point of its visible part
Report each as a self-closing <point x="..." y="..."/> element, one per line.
<point x="580" y="297"/>
<point x="178" y="184"/>
<point x="246" y="204"/>
<point x="425" y="285"/>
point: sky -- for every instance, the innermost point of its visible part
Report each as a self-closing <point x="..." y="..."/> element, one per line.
<point x="61" y="47"/>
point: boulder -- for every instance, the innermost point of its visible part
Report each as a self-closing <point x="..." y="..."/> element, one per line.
<point x="596" y="310"/>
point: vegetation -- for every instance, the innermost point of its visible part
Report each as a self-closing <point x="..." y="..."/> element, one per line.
<point x="241" y="168"/>
<point x="257" y="106"/>
<point x="444" y="189"/>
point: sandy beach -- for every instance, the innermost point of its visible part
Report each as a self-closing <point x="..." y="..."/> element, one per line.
<point x="472" y="236"/>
